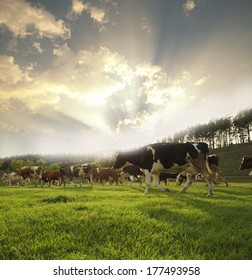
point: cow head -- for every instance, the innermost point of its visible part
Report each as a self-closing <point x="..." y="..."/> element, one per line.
<point x="246" y="163"/>
<point x="120" y="161"/>
<point x="203" y="147"/>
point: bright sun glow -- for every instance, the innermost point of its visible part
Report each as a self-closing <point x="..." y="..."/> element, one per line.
<point x="109" y="75"/>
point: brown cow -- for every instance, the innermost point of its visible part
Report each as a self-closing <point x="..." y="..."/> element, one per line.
<point x="105" y="174"/>
<point x="54" y="175"/>
<point x="34" y="172"/>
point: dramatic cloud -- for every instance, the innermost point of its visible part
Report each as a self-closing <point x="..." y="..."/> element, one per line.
<point x="65" y="86"/>
<point x="77" y="8"/>
<point x="10" y="73"/>
<point x="98" y="15"/>
<point x="23" y="19"/>
<point x="97" y="77"/>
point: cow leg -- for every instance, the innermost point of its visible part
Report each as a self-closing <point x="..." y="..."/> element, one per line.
<point x="222" y="177"/>
<point x="147" y="181"/>
<point x="27" y="181"/>
<point x="131" y="180"/>
<point x="156" y="182"/>
<point x="209" y="181"/>
<point x="71" y="179"/>
<point x="139" y="180"/>
<point x="38" y="182"/>
<point x="91" y="180"/>
<point x="62" y="180"/>
<point x="189" y="180"/>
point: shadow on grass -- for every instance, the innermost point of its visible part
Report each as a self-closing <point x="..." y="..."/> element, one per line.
<point x="58" y="199"/>
<point x="212" y="228"/>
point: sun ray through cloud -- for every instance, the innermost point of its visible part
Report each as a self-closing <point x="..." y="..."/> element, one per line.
<point x="111" y="74"/>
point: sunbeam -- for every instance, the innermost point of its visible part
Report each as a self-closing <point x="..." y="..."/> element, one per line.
<point x="99" y="76"/>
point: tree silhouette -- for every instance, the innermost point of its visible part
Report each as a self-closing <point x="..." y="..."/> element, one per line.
<point x="219" y="132"/>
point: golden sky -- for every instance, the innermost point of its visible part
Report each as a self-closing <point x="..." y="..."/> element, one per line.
<point x="98" y="76"/>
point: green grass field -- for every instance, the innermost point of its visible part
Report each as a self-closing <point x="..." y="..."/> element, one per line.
<point x="120" y="222"/>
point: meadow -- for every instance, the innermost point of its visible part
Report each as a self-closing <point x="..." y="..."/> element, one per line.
<point x="120" y="222"/>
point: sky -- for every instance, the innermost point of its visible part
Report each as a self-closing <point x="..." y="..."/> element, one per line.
<point x="83" y="76"/>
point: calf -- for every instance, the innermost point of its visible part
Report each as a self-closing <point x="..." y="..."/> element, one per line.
<point x="181" y="178"/>
<point x="133" y="172"/>
<point x="106" y="174"/>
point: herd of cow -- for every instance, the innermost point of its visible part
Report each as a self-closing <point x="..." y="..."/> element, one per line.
<point x="156" y="162"/>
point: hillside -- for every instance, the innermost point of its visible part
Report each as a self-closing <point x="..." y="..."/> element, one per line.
<point x="230" y="158"/>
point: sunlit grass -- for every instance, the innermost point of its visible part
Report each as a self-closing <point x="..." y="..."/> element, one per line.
<point x="120" y="222"/>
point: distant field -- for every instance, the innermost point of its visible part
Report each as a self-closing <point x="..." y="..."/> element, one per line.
<point x="120" y="222"/>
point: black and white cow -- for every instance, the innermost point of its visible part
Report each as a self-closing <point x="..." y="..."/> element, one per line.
<point x="169" y="157"/>
<point x="133" y="172"/>
<point x="246" y="163"/>
<point x="82" y="171"/>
